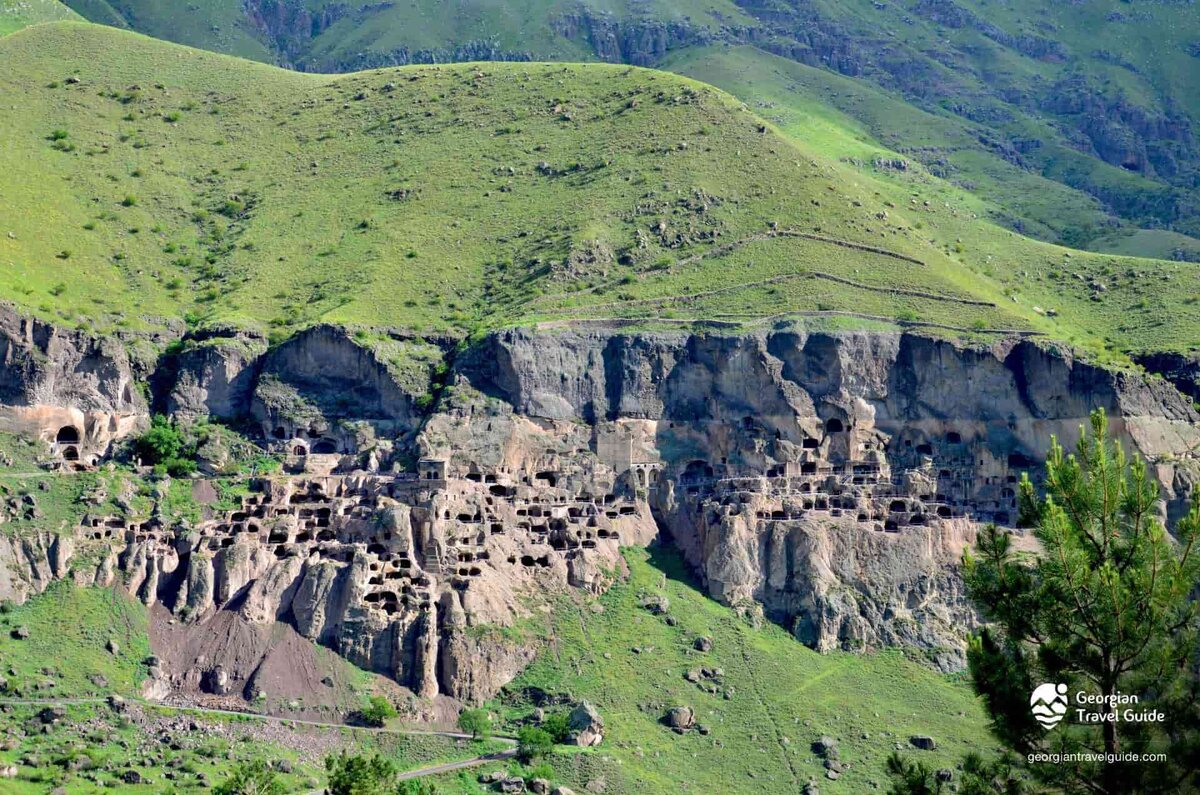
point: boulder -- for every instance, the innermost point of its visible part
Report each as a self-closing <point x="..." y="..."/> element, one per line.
<point x="922" y="741"/>
<point x="826" y="747"/>
<point x="217" y="681"/>
<point x="703" y="644"/>
<point x="681" y="719"/>
<point x="585" y="726"/>
<point x="657" y="604"/>
<point x="50" y="715"/>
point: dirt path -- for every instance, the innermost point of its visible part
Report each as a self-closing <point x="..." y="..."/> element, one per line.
<point x="727" y="248"/>
<point x="421" y="772"/>
<point x="448" y="767"/>
<point x="66" y="702"/>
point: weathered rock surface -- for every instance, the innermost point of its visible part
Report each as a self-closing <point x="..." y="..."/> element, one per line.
<point x="215" y="375"/>
<point x="75" y="392"/>
<point x="585" y="725"/>
<point x="832" y="479"/>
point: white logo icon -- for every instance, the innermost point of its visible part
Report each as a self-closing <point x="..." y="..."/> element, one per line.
<point x="1049" y="704"/>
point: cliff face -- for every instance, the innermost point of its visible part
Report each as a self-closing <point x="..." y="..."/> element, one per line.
<point x="71" y="390"/>
<point x="828" y="480"/>
<point x="835" y="479"/>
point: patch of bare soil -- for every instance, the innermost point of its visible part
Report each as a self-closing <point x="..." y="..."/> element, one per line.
<point x="226" y="662"/>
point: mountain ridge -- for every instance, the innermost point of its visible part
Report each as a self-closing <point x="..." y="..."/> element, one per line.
<point x="173" y="173"/>
<point x="1088" y="112"/>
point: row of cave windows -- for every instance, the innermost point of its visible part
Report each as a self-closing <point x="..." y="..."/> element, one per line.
<point x="323" y="447"/>
<point x="68" y="436"/>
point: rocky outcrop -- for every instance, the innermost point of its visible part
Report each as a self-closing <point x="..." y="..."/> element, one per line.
<point x="321" y="375"/>
<point x="1182" y="370"/>
<point x="51" y="366"/>
<point x="215" y="373"/>
<point x="833" y="478"/>
<point x="76" y="392"/>
<point x="291" y="31"/>
<point x="638" y="41"/>
<point x="828" y="480"/>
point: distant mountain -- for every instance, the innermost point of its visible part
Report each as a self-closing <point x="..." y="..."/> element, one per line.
<point x="217" y="190"/>
<point x="17" y="14"/>
<point x="1076" y="121"/>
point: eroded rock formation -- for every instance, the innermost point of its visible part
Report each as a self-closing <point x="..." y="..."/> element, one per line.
<point x="830" y="480"/>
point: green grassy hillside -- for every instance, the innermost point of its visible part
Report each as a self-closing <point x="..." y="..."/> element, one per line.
<point x="320" y="35"/>
<point x="772" y="699"/>
<point x="70" y="659"/>
<point x="1073" y="118"/>
<point x="148" y="181"/>
<point x="17" y="14"/>
<point x="858" y="123"/>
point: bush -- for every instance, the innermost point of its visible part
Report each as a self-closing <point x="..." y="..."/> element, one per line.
<point x="533" y="743"/>
<point x="251" y="778"/>
<point x="358" y="775"/>
<point x="166" y="448"/>
<point x="377" y="712"/>
<point x="475" y="722"/>
<point x="558" y="726"/>
<point x="129" y="201"/>
<point x="543" y="770"/>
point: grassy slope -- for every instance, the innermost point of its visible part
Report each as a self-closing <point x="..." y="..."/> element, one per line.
<point x="784" y="696"/>
<point x="17" y="14"/>
<point x="378" y="30"/>
<point x="74" y="650"/>
<point x="1139" y="55"/>
<point x="978" y="94"/>
<point x="224" y="190"/>
<point x="519" y="26"/>
<point x="852" y="120"/>
<point x="218" y="25"/>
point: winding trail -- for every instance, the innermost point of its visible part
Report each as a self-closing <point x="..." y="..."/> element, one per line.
<point x="760" y="320"/>
<point x="421" y="772"/>
<point x="687" y="298"/>
<point x="727" y="248"/>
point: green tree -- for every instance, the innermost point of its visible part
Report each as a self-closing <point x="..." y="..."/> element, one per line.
<point x="416" y="786"/>
<point x="361" y="775"/>
<point x="377" y="712"/>
<point x="533" y="743"/>
<point x="558" y="726"/>
<point x="1105" y="609"/>
<point x="164" y="446"/>
<point x="911" y="777"/>
<point x="997" y="776"/>
<point x="251" y="778"/>
<point x="475" y="722"/>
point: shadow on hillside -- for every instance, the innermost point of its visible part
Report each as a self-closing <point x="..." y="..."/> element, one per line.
<point x="664" y="556"/>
